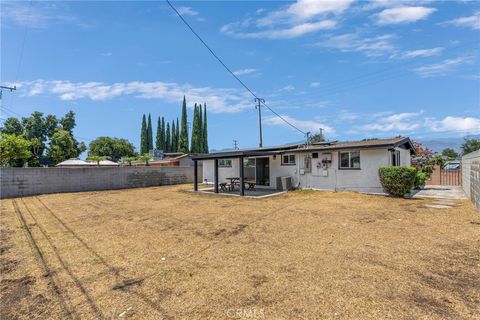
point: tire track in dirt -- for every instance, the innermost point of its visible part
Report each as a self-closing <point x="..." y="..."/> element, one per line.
<point x="52" y="284"/>
<point x="122" y="281"/>
<point x="65" y="266"/>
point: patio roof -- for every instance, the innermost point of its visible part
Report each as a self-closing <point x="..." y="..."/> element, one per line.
<point x="323" y="146"/>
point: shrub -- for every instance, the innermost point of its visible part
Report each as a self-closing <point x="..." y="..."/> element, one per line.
<point x="427" y="169"/>
<point x="420" y="179"/>
<point x="397" y="181"/>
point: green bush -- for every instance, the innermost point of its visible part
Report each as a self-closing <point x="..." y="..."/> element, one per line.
<point x="420" y="179"/>
<point x="397" y="181"/>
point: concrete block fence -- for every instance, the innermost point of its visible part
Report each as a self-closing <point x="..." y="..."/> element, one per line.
<point x="19" y="182"/>
<point x="471" y="176"/>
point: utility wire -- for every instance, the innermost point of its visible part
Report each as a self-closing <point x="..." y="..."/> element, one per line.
<point x="229" y="70"/>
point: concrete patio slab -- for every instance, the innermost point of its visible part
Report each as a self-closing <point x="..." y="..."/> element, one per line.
<point x="441" y="192"/>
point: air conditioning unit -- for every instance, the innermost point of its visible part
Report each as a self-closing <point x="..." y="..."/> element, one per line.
<point x="284" y="183"/>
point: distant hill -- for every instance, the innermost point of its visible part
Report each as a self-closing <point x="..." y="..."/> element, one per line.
<point x="438" y="144"/>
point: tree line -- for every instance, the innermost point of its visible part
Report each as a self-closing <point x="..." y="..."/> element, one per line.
<point x="174" y="137"/>
<point x="38" y="140"/>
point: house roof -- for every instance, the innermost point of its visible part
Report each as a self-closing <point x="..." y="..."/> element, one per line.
<point x="74" y="162"/>
<point x="324" y="146"/>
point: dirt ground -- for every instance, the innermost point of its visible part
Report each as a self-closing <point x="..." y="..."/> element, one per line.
<point x="167" y="253"/>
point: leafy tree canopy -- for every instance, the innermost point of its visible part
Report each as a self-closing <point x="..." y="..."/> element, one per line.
<point x="113" y="148"/>
<point x="12" y="126"/>
<point x="470" y="145"/>
<point x="450" y="153"/>
<point x="14" y="150"/>
<point x="63" y="146"/>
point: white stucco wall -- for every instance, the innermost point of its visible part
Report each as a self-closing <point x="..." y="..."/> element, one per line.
<point x="363" y="180"/>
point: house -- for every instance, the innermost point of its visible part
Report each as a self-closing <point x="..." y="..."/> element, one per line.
<point x="330" y="165"/>
<point x="170" y="159"/>
<point x="74" y="163"/>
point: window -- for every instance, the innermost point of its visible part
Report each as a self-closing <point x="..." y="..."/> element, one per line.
<point x="224" y="162"/>
<point x="315" y="155"/>
<point x="349" y="160"/>
<point x="288" y="159"/>
<point x="249" y="162"/>
<point x="395" y="158"/>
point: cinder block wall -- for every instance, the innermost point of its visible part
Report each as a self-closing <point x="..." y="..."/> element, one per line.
<point x="471" y="176"/>
<point x="18" y="182"/>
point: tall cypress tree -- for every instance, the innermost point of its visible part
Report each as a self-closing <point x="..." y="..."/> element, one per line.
<point x="177" y="135"/>
<point x="174" y="138"/>
<point x="143" y="136"/>
<point x="194" y="142"/>
<point x="200" y="129"/>
<point x="158" y="136"/>
<point x="204" y="129"/>
<point x="183" y="140"/>
<point x="149" y="134"/>
<point x="167" y="138"/>
<point x="162" y="134"/>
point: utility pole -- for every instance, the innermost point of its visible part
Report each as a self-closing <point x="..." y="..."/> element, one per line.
<point x="321" y="135"/>
<point x="308" y="138"/>
<point x="235" y="144"/>
<point x="259" y="107"/>
<point x="7" y="88"/>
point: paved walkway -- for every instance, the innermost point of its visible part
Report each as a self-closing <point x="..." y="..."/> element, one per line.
<point x="445" y="195"/>
<point x="441" y="192"/>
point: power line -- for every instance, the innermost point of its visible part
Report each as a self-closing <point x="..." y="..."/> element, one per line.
<point x="228" y="69"/>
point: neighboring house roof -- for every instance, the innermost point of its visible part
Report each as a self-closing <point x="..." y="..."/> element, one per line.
<point x="74" y="162"/>
<point x="324" y="146"/>
<point x="106" y="163"/>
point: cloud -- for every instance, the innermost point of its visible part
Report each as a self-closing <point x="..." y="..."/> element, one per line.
<point x="187" y="11"/>
<point x="291" y="21"/>
<point x="288" y="88"/>
<point x="354" y="42"/>
<point x="469" y="22"/>
<point x="219" y="100"/>
<point x="395" y="122"/>
<point x="455" y="124"/>
<point x="415" y="121"/>
<point x="246" y="71"/>
<point x="444" y="67"/>
<point x="403" y="15"/>
<point x="315" y="84"/>
<point x="304" y="125"/>
<point x="285" y="33"/>
<point x="34" y="14"/>
<point x="423" y="53"/>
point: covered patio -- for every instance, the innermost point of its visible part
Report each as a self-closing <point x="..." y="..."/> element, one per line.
<point x="246" y="187"/>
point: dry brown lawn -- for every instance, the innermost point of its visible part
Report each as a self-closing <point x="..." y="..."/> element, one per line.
<point x="167" y="253"/>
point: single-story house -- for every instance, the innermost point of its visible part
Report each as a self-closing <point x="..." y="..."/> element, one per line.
<point x="76" y="163"/>
<point x="329" y="165"/>
<point x="170" y="159"/>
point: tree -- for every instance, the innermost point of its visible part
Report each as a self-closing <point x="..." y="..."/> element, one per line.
<point x="68" y="121"/>
<point x="450" y="153"/>
<point x="200" y="129"/>
<point x="205" y="130"/>
<point x="173" y="147"/>
<point x="177" y="137"/>
<point x="97" y="159"/>
<point x="14" y="150"/>
<point x="35" y="130"/>
<point x="183" y="140"/>
<point x="129" y="160"/>
<point x="143" y="137"/>
<point x="12" y="126"/>
<point x="163" y="133"/>
<point x="158" y="136"/>
<point x="149" y="134"/>
<point x="63" y="146"/>
<point x="113" y="148"/>
<point x="470" y="145"/>
<point x="167" y="138"/>
<point x="145" y="157"/>
<point x="195" y="132"/>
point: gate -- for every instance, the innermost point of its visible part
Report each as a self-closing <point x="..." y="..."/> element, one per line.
<point x="446" y="176"/>
<point x="451" y="177"/>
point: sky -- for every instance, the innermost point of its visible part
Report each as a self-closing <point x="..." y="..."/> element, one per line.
<point x="357" y="69"/>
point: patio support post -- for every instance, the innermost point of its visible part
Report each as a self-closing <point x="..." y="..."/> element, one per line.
<point x="215" y="175"/>
<point x="242" y="177"/>
<point x="195" y="175"/>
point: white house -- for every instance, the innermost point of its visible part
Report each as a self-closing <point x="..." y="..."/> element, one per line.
<point x="328" y="165"/>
